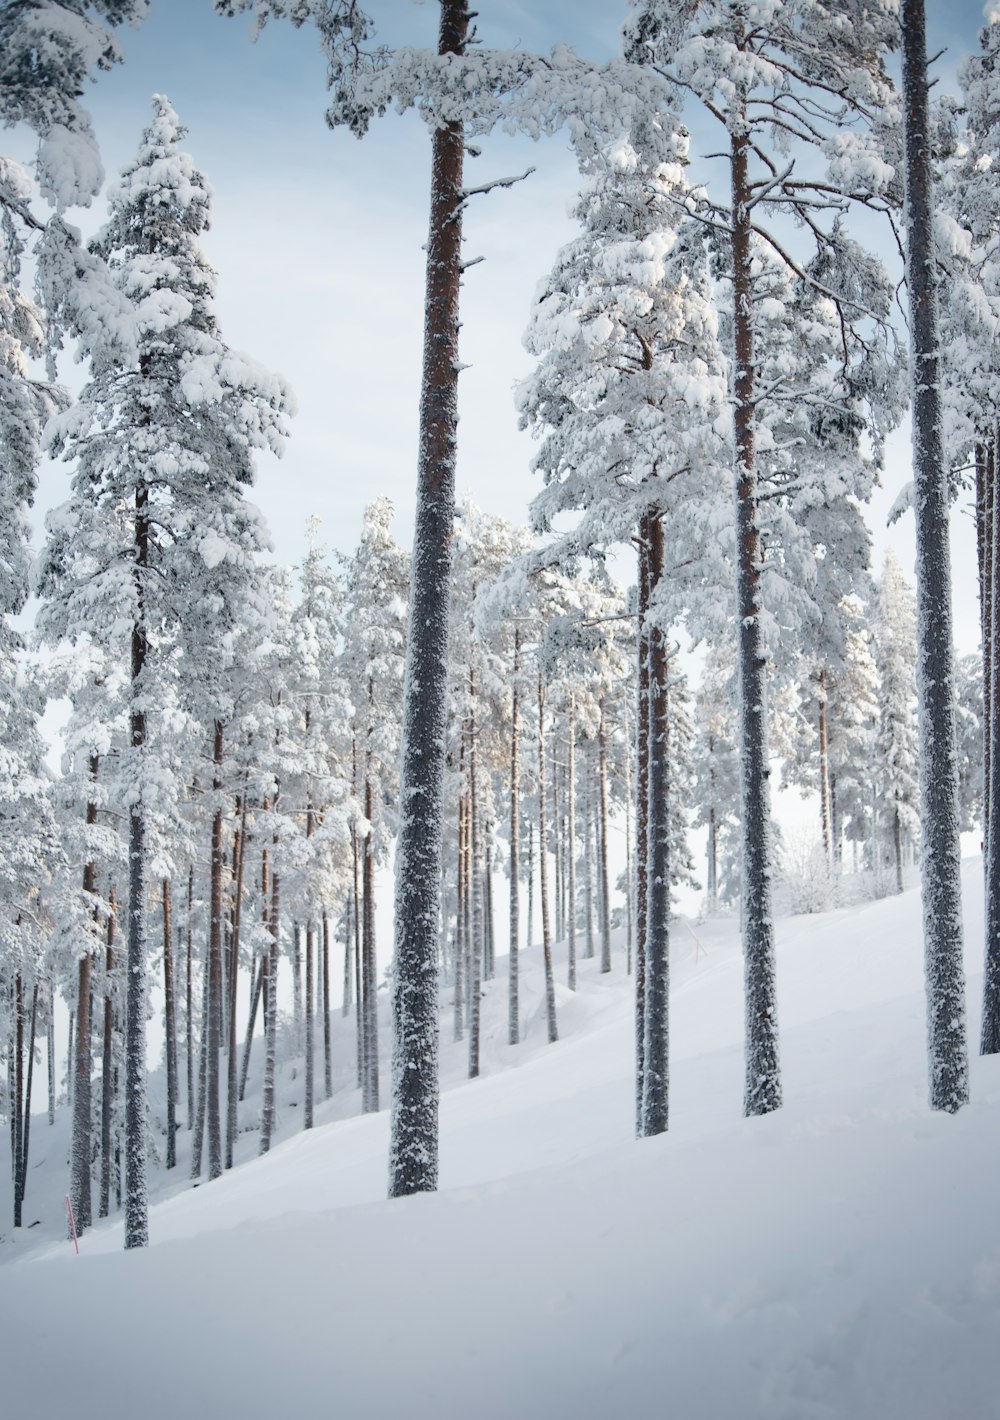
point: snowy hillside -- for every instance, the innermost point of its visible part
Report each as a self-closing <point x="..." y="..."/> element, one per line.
<point x="835" y="1259"/>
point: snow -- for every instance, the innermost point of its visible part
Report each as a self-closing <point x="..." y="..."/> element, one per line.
<point x="832" y="1259"/>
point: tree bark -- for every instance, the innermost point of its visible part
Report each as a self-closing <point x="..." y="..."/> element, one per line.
<point x="136" y="1192"/>
<point x="550" y="989"/>
<point x="571" y="845"/>
<point x="642" y="724"/>
<point x="763" y="1077"/>
<point x="939" y="827"/>
<point x="213" y="1117"/>
<point x="513" y="980"/>
<point x="413" y="1154"/>
<point x="605" y="894"/>
<point x="107" y="1064"/>
<point x="170" y="1026"/>
<point x="80" y="1154"/>
<point x="655" y="1055"/>
<point x="369" y="968"/>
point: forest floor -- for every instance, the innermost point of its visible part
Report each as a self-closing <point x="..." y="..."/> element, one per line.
<point x="834" y="1259"/>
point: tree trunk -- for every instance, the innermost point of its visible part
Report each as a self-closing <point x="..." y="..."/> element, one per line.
<point x="369" y="967"/>
<point x="989" y="1041"/>
<point x="460" y="913"/>
<point x="310" y="1013"/>
<point x="763" y="1077"/>
<point x="939" y="826"/>
<point x="50" y="1050"/>
<point x="270" y="974"/>
<point x="985" y="553"/>
<point x="571" y="845"/>
<point x="81" y="1149"/>
<point x="170" y="1024"/>
<point x="642" y="725"/>
<point x="513" y="993"/>
<point x="655" y="1055"/>
<point x="213" y="1118"/>
<point x="327" y="1044"/>
<point x="413" y="1152"/>
<point x="602" y="746"/>
<point x="189" y="1000"/>
<point x="476" y="887"/>
<point x="136" y="1192"/>
<point x="17" y="1113"/>
<point x="825" y="812"/>
<point x="255" y="995"/>
<point x="107" y="1065"/>
<point x="233" y="1093"/>
<point x="550" y="988"/>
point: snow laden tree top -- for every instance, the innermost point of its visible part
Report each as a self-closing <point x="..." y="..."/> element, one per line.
<point x="179" y="426"/>
<point x="481" y="88"/>
<point x="630" y="393"/>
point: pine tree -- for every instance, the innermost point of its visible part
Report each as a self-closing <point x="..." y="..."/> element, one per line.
<point x="157" y="527"/>
<point x="947" y="1056"/>
<point x="766" y="79"/>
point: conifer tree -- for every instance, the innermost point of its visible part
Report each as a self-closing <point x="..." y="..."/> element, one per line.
<point x="156" y="528"/>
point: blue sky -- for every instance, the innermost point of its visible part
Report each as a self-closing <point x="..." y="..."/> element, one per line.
<point x="317" y="240"/>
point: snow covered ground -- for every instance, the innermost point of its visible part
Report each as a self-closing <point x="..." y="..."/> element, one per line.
<point x="836" y="1259"/>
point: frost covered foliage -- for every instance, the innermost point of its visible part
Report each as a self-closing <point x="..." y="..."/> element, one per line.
<point x="48" y="51"/>
<point x="483" y="88"/>
<point x="967" y="224"/>
<point x="817" y="417"/>
<point x="629" y="398"/>
<point x="171" y="435"/>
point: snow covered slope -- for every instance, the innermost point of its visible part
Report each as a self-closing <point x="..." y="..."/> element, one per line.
<point x="840" y="1258"/>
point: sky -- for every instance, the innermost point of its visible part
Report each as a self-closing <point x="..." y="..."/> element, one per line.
<point x="317" y="239"/>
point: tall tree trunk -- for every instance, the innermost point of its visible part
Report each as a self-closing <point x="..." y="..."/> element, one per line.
<point x="198" y="1142"/>
<point x="939" y="826"/>
<point x="476" y="887"/>
<point x="50" y="1049"/>
<point x="17" y="1113"/>
<point x="550" y="988"/>
<point x="215" y="989"/>
<point x="170" y="1024"/>
<point x="571" y="844"/>
<point x="655" y="1055"/>
<point x="136" y="1192"/>
<point x="189" y="999"/>
<point x="642" y="727"/>
<point x="461" y="899"/>
<point x="369" y="967"/>
<point x="589" y="950"/>
<point x="270" y="974"/>
<point x="310" y="1014"/>
<point x="28" y="1084"/>
<point x="513" y="984"/>
<point x="530" y="934"/>
<point x="348" y="991"/>
<point x="985" y="486"/>
<point x="81" y="1149"/>
<point x="763" y="1075"/>
<point x="602" y="746"/>
<point x="107" y="1064"/>
<point x="232" y="1074"/>
<point x="327" y="1043"/>
<point x="413" y="1151"/>
<point x="825" y="811"/>
<point x="989" y="1041"/>
<point x="255" y="997"/>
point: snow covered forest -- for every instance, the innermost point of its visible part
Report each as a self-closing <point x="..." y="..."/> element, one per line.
<point x="281" y="843"/>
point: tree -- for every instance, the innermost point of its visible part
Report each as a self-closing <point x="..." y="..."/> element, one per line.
<point x="940" y="876"/>
<point x="799" y="76"/>
<point x="898" y="748"/>
<point x="461" y="90"/>
<point x="156" y="526"/>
